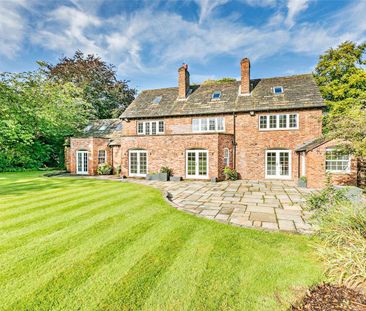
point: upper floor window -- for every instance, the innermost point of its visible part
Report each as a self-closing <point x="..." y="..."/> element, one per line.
<point x="216" y="95"/>
<point x="150" y="127"/>
<point x="102" y="157"/>
<point x="279" y="121"/>
<point x="208" y="125"/>
<point x="277" y="90"/>
<point x="337" y="161"/>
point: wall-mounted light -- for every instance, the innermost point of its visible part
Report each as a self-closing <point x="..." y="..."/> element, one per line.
<point x="252" y="113"/>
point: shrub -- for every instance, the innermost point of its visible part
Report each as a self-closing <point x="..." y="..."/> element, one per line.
<point x="231" y="174"/>
<point x="326" y="197"/>
<point x="118" y="170"/>
<point x="104" y="169"/>
<point x="167" y="170"/>
<point x="342" y="246"/>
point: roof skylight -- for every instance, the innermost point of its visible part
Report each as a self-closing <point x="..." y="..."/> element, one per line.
<point x="103" y="127"/>
<point x="157" y="100"/>
<point x="88" y="128"/>
<point x="216" y="95"/>
<point x="277" y="90"/>
<point x="119" y="127"/>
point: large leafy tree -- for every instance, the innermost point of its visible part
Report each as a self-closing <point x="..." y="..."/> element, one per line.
<point x="35" y="116"/>
<point x="341" y="76"/>
<point x="108" y="95"/>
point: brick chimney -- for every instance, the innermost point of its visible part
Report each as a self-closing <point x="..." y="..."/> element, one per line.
<point x="245" y="76"/>
<point x="183" y="81"/>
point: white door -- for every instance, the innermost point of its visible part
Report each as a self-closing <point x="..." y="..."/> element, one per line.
<point x="278" y="164"/>
<point x="137" y="163"/>
<point x="82" y="162"/>
<point x="197" y="164"/>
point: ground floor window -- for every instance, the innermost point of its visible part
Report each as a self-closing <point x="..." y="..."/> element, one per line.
<point x="197" y="164"/>
<point x="278" y="164"/>
<point x="102" y="157"/>
<point x="337" y="161"/>
<point x="226" y="157"/>
<point x="137" y="163"/>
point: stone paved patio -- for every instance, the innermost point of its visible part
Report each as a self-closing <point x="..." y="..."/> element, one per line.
<point x="267" y="205"/>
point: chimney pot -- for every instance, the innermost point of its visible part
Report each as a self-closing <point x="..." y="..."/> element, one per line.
<point x="245" y="76"/>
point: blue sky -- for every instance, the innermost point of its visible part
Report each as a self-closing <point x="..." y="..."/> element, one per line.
<point x="149" y="40"/>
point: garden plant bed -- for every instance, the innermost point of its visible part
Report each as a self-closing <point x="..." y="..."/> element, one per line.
<point x="329" y="297"/>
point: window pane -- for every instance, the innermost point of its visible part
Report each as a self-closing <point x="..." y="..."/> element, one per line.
<point x="101" y="156"/>
<point x="263" y="122"/>
<point x="140" y="128"/>
<point x="220" y="124"/>
<point x="202" y="164"/>
<point x="273" y="121"/>
<point x="143" y="163"/>
<point x="161" y="126"/>
<point x="204" y="126"/>
<point x="293" y="121"/>
<point x="282" y="121"/>
<point x="133" y="164"/>
<point x="147" y="128"/>
<point x="195" y="125"/>
<point x="284" y="164"/>
<point x="271" y="163"/>
<point x="212" y="124"/>
<point x="191" y="165"/>
<point x="153" y="128"/>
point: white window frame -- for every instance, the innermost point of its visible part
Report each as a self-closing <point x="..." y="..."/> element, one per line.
<point x="196" y="176"/>
<point x="105" y="156"/>
<point x="207" y="121"/>
<point x="138" y="163"/>
<point x="82" y="153"/>
<point x="277" y="128"/>
<point x="347" y="171"/>
<point x="150" y="126"/>
<point x="278" y="176"/>
<point x="226" y="157"/>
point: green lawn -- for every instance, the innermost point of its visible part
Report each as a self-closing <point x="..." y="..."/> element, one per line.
<point x="71" y="244"/>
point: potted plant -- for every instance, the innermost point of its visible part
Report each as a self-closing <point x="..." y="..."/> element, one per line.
<point x="163" y="175"/>
<point x="231" y="173"/>
<point x="302" y="182"/>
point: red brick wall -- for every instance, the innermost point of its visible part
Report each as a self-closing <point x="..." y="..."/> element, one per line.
<point x="316" y="173"/>
<point x="170" y="150"/>
<point x="252" y="143"/>
<point x="92" y="145"/>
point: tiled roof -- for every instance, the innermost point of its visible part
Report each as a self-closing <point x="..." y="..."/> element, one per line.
<point x="312" y="144"/>
<point x="106" y="128"/>
<point x="300" y="91"/>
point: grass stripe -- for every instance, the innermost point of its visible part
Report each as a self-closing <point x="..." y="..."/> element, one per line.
<point x="126" y="293"/>
<point x="27" y="283"/>
<point x="55" y="290"/>
<point x="178" y="285"/>
<point x="80" y="202"/>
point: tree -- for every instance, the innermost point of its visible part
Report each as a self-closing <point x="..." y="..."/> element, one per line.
<point x="108" y="95"/>
<point x="35" y="116"/>
<point x="341" y="77"/>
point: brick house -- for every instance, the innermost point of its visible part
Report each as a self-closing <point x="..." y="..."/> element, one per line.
<point x="266" y="129"/>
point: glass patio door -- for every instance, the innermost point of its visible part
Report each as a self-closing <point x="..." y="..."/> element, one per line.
<point x="138" y="163"/>
<point x="82" y="162"/>
<point x="278" y="164"/>
<point x="197" y="164"/>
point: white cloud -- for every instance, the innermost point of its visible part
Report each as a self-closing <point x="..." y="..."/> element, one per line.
<point x="294" y="7"/>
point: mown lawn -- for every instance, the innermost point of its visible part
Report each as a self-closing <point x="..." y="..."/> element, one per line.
<point x="84" y="244"/>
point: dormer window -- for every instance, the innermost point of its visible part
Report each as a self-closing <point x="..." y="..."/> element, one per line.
<point x="157" y="100"/>
<point x="103" y="128"/>
<point x="216" y="95"/>
<point x="277" y="90"/>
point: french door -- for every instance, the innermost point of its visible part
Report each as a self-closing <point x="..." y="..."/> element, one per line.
<point x="278" y="164"/>
<point x="82" y="162"/>
<point x="197" y="164"/>
<point x="137" y="163"/>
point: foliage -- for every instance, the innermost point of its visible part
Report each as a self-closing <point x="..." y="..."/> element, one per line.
<point x="108" y="95"/>
<point x="303" y="179"/>
<point x="35" y="116"/>
<point x="231" y="173"/>
<point x="222" y="80"/>
<point x="342" y="247"/>
<point x="104" y="169"/>
<point x="341" y="77"/>
<point x="167" y="170"/>
<point x="326" y="198"/>
<point x="87" y="244"/>
<point x="118" y="170"/>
